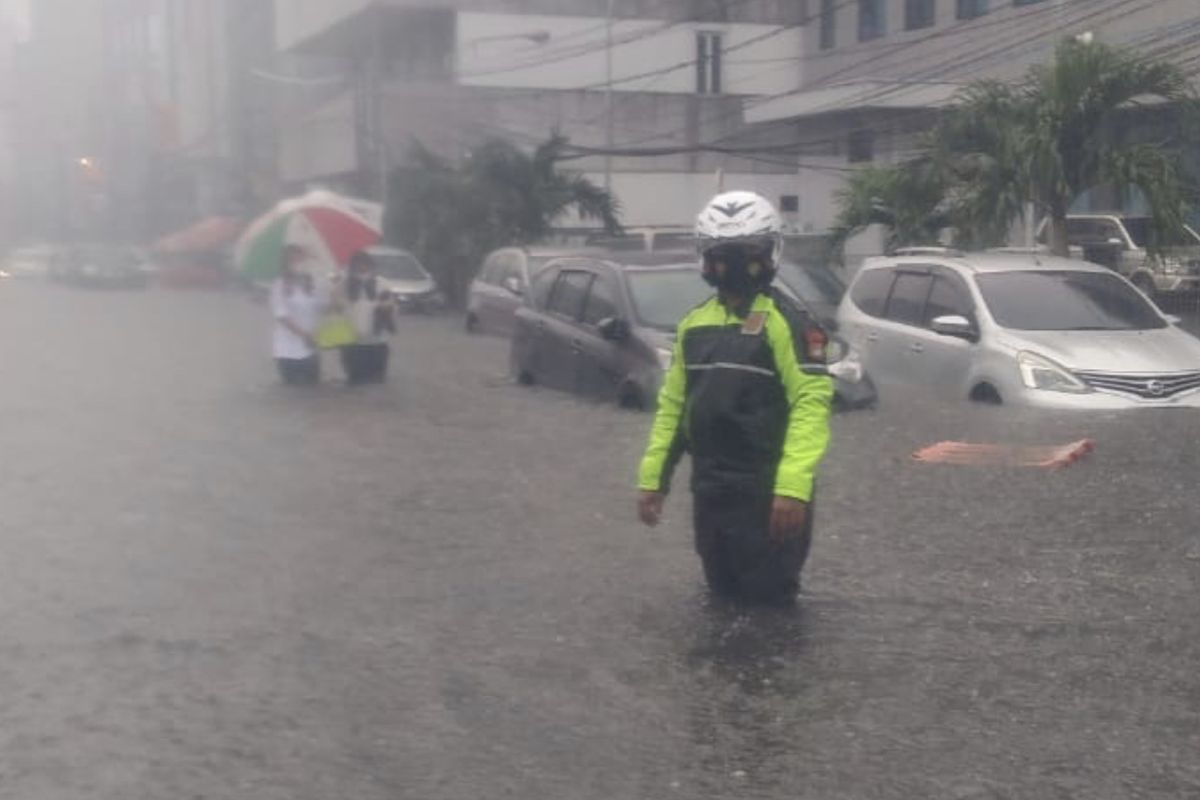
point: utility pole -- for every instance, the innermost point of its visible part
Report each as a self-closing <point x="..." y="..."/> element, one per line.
<point x="609" y="137"/>
<point x="1060" y="12"/>
<point x="376" y="111"/>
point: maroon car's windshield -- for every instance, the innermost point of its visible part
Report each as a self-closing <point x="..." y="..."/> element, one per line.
<point x="662" y="296"/>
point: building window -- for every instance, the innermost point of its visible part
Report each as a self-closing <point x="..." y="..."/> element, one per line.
<point x="828" y="24"/>
<point x="789" y="203"/>
<point x="860" y="146"/>
<point x="970" y="9"/>
<point x="918" y="14"/>
<point x="708" y="63"/>
<point x="872" y="20"/>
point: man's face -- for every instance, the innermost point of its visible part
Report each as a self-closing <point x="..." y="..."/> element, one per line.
<point x="736" y="267"/>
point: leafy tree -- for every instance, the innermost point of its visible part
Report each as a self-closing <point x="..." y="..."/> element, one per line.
<point x="1067" y="127"/>
<point x="452" y="215"/>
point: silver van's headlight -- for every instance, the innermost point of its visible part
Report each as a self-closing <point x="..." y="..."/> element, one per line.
<point x="1174" y="266"/>
<point x="665" y="357"/>
<point x="1039" y="372"/>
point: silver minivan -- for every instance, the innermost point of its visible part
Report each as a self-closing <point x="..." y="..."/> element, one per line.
<point x="1019" y="328"/>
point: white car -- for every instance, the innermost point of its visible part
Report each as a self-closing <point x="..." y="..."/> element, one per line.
<point x="29" y="262"/>
<point x="1019" y="328"/>
<point x="401" y="274"/>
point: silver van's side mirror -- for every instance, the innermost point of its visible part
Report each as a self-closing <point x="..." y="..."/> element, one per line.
<point x="954" y="325"/>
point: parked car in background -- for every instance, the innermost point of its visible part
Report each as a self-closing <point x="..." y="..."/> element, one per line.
<point x="1126" y="243"/>
<point x="1018" y="328"/>
<point x="604" y="325"/>
<point x="819" y="291"/>
<point x="402" y="274"/>
<point x="500" y="287"/>
<point x="647" y="239"/>
<point x="101" y="266"/>
<point x="815" y="291"/>
<point x="29" y="262"/>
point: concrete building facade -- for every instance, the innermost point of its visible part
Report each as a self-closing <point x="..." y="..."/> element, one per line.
<point x="875" y="72"/>
<point x="452" y="73"/>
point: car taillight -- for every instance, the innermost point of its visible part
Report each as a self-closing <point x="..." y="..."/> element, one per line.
<point x="815" y="344"/>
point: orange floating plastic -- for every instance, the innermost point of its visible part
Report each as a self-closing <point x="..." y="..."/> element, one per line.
<point x="969" y="454"/>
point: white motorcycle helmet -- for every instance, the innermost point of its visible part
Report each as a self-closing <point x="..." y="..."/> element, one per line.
<point x="739" y="230"/>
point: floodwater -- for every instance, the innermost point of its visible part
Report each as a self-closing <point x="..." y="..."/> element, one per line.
<point x="213" y="587"/>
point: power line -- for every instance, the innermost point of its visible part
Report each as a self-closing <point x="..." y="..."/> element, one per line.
<point x="662" y="71"/>
<point x="955" y="63"/>
<point x="961" y="28"/>
<point x="584" y="50"/>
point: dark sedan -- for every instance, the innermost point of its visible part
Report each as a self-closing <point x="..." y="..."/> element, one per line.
<point x="604" y="326"/>
<point x="818" y="290"/>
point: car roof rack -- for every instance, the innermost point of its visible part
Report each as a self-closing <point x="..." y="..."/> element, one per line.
<point x="928" y="250"/>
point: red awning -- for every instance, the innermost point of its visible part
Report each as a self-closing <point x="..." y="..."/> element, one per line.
<point x="208" y="235"/>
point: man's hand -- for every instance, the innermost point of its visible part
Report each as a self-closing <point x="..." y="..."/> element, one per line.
<point x="787" y="517"/>
<point x="650" y="506"/>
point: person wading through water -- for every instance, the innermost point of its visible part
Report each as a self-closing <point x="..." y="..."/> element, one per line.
<point x="737" y="398"/>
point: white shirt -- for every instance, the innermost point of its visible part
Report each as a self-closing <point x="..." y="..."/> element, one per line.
<point x="304" y="310"/>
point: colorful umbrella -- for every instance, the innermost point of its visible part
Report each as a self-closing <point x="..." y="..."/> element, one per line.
<point x="331" y="227"/>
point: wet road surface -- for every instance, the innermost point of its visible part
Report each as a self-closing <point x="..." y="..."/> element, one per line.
<point x="212" y="587"/>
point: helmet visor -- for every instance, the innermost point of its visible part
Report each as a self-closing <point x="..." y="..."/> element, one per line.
<point x="742" y="248"/>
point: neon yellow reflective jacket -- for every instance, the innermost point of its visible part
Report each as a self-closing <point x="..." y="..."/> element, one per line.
<point x="737" y="400"/>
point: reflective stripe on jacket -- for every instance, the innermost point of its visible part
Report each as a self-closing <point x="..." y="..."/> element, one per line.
<point x="736" y="398"/>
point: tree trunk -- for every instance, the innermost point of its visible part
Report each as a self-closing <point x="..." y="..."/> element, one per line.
<point x="1059" y="244"/>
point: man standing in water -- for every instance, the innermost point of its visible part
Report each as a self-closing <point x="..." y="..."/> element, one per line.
<point x="736" y="398"/>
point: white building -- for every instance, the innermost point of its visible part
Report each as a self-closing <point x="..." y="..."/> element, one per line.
<point x="453" y="72"/>
<point x="875" y="72"/>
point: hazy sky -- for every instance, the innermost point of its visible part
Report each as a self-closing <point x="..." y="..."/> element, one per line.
<point x="17" y="12"/>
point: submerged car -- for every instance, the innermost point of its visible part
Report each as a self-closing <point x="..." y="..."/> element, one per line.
<point x="29" y="262"/>
<point x="102" y="266"/>
<point x="1018" y="328"/>
<point x="502" y="283"/>
<point x="604" y="326"/>
<point x="402" y="275"/>
<point x="819" y="291"/>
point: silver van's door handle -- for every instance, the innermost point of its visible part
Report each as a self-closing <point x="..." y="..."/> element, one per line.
<point x="917" y="347"/>
<point x="872" y="337"/>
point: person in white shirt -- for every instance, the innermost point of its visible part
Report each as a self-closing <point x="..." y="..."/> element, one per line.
<point x="296" y="308"/>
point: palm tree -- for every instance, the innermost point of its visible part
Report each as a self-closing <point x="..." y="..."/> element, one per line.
<point x="1061" y="131"/>
<point x="908" y="199"/>
<point x="452" y="215"/>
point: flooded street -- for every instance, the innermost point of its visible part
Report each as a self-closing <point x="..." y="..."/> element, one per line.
<point x="215" y="587"/>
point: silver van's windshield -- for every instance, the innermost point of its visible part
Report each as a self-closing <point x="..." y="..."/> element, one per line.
<point x="1066" y="301"/>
